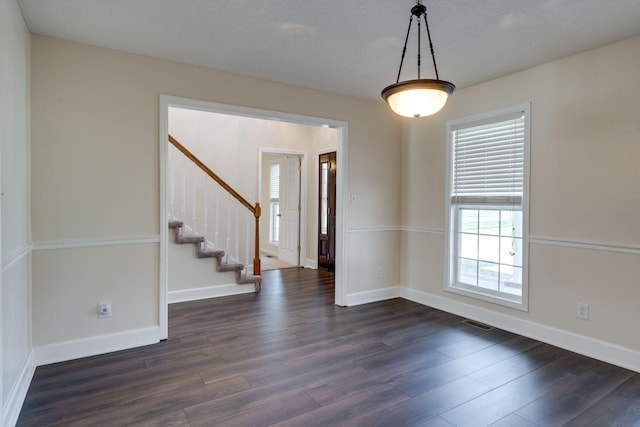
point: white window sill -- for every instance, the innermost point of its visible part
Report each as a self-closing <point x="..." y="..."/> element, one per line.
<point x="517" y="303"/>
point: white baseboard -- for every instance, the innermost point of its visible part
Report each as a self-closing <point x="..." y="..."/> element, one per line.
<point x="311" y="263"/>
<point x="209" y="292"/>
<point x="18" y="393"/>
<point x="601" y="350"/>
<point x="92" y="346"/>
<point x="373" y="296"/>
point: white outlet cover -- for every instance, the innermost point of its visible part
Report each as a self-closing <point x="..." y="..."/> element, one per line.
<point x="104" y="309"/>
<point x="582" y="311"/>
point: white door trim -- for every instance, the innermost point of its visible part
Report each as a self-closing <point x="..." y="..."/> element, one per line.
<point x="167" y="101"/>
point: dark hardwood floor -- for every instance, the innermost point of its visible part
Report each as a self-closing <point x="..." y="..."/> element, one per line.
<point x="289" y="357"/>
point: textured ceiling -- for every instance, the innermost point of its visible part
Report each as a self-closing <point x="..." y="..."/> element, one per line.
<point x="346" y="46"/>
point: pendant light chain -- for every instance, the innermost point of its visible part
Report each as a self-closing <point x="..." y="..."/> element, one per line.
<point x="433" y="55"/>
<point x="404" y="49"/>
<point x="419" y="44"/>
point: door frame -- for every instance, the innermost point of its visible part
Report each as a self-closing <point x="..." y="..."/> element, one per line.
<point x="342" y="151"/>
<point x="302" y="221"/>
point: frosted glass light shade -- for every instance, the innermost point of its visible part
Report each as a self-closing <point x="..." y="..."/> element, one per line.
<point x="418" y="98"/>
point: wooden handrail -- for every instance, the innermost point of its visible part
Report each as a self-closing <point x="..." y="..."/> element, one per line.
<point x="212" y="174"/>
<point x="254" y="209"/>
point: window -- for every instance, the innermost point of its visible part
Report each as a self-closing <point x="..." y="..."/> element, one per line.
<point x="488" y="207"/>
<point x="274" y="203"/>
<point x="324" y="198"/>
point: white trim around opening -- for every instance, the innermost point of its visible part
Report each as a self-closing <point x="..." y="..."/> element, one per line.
<point x="167" y="101"/>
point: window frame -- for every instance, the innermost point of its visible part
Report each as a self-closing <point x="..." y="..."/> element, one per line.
<point x="451" y="217"/>
<point x="274" y="207"/>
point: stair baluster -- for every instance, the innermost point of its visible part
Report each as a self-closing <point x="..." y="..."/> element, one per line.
<point x="228" y="246"/>
<point x="237" y="234"/>
<point x="216" y="236"/>
<point x="205" y="216"/>
<point x="171" y="158"/>
<point x="194" y="216"/>
<point x="247" y="220"/>
<point x="183" y="194"/>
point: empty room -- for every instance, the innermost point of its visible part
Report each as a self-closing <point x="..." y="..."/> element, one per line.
<point x="415" y="213"/>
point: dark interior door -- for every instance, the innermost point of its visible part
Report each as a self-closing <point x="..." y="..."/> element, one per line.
<point x="327" y="212"/>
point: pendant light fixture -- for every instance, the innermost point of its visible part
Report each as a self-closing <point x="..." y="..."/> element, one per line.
<point x="419" y="97"/>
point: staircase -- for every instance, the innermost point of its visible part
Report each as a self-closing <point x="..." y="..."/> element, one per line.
<point x="207" y="212"/>
<point x="202" y="252"/>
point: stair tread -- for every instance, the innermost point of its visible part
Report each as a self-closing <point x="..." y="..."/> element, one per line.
<point x="190" y="238"/>
<point x="249" y="279"/>
<point x="210" y="253"/>
<point x="230" y="267"/>
<point x="175" y="224"/>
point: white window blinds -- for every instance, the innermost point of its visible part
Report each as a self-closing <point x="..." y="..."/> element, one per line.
<point x="488" y="161"/>
<point x="274" y="182"/>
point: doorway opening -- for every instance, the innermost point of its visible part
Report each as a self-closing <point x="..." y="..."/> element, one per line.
<point x="308" y="161"/>
<point x="283" y="233"/>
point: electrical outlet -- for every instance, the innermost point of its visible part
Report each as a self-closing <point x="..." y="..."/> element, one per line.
<point x="582" y="311"/>
<point x="104" y="309"/>
<point x="379" y="273"/>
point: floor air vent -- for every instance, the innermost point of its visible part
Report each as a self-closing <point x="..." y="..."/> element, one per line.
<point x="477" y="325"/>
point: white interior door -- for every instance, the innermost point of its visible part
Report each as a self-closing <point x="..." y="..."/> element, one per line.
<point x="288" y="249"/>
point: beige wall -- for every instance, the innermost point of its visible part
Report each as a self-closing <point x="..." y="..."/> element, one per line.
<point x="15" y="282"/>
<point x="585" y="133"/>
<point x="126" y="275"/>
<point x="96" y="179"/>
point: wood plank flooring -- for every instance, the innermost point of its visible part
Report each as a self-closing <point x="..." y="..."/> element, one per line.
<point x="289" y="357"/>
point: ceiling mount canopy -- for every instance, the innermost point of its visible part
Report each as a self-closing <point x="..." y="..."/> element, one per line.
<point x="418" y="97"/>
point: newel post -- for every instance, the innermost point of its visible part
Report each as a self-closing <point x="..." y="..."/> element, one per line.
<point x="257" y="211"/>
